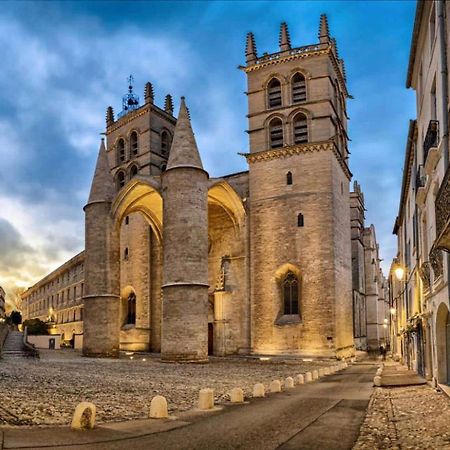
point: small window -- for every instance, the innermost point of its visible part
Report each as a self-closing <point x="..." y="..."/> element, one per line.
<point x="166" y="142"/>
<point x="276" y="133"/>
<point x="131" y="309"/>
<point x="300" y="129"/>
<point x="289" y="178"/>
<point x="121" y="151"/>
<point x="126" y="254"/>
<point x="127" y="220"/>
<point x="298" y="88"/>
<point x="133" y="171"/>
<point x="300" y="220"/>
<point x="274" y="93"/>
<point x="290" y="294"/>
<point x="120" y="180"/>
<point x="134" y="148"/>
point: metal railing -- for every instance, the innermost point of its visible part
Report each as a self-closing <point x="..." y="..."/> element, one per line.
<point x="431" y="138"/>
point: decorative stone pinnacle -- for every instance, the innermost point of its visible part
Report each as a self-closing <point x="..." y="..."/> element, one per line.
<point x="148" y="93"/>
<point x="324" y="32"/>
<point x="168" y="104"/>
<point x="285" y="39"/>
<point x="250" y="49"/>
<point x="109" y="116"/>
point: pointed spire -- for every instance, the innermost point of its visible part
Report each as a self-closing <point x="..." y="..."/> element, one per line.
<point x="109" y="116"/>
<point x="168" y="104"/>
<point x="148" y="93"/>
<point x="184" y="151"/>
<point x="324" y="32"/>
<point x="102" y="187"/>
<point x="285" y="39"/>
<point x="250" y="49"/>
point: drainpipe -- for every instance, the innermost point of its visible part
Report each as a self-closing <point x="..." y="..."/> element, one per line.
<point x="444" y="83"/>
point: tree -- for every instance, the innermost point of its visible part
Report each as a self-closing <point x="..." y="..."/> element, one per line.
<point x="15" y="318"/>
<point x="36" y="326"/>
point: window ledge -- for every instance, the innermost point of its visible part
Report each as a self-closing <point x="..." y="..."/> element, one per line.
<point x="128" y="326"/>
<point x="288" y="319"/>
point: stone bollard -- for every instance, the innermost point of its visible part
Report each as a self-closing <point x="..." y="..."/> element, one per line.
<point x="158" y="408"/>
<point x="84" y="416"/>
<point x="300" y="379"/>
<point x="275" y="386"/>
<point x="258" y="390"/>
<point x="315" y="374"/>
<point x="289" y="383"/>
<point x="308" y="377"/>
<point x="377" y="381"/>
<point x="206" y="399"/>
<point x="237" y="395"/>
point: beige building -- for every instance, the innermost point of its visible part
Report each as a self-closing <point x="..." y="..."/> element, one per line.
<point x="254" y="262"/>
<point x="370" y="289"/>
<point x="420" y="299"/>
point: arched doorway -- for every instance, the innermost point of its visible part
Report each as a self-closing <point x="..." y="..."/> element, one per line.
<point x="443" y="344"/>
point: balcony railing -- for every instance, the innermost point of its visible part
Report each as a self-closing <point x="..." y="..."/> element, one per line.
<point x="431" y="138"/>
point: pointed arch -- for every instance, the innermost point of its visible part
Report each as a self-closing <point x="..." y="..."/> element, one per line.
<point x="298" y="88"/>
<point x="134" y="144"/>
<point x="166" y="142"/>
<point x="274" y="95"/>
<point x="276" y="135"/>
<point x="120" y="150"/>
<point x="300" y="128"/>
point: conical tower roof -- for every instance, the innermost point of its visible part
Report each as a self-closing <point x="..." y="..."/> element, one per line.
<point x="102" y="188"/>
<point x="184" y="151"/>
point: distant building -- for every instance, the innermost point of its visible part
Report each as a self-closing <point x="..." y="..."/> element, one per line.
<point x="370" y="297"/>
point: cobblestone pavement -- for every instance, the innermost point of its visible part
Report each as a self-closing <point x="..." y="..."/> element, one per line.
<point x="46" y="391"/>
<point x="415" y="417"/>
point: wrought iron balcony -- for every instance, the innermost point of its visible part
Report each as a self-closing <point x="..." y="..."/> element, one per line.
<point x="442" y="213"/>
<point x="431" y="138"/>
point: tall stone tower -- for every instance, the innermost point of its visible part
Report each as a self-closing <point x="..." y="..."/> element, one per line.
<point x="185" y="249"/>
<point x="300" y="243"/>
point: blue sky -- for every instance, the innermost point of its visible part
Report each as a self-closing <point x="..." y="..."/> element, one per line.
<point x="63" y="63"/>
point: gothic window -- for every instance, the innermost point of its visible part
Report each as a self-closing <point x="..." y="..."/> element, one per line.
<point x="289" y="178"/>
<point x="131" y="309"/>
<point x="127" y="220"/>
<point x="276" y="133"/>
<point x="166" y="141"/>
<point x="120" y="180"/>
<point x="298" y="88"/>
<point x="290" y="294"/>
<point x="134" y="147"/>
<point x="274" y="93"/>
<point x="126" y="254"/>
<point x="300" y="129"/>
<point x="120" y="151"/>
<point x="133" y="171"/>
<point x="300" y="220"/>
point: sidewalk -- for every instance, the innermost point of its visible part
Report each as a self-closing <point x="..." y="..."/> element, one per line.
<point x="395" y="374"/>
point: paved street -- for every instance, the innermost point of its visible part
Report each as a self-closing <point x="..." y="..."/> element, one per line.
<point x="322" y="415"/>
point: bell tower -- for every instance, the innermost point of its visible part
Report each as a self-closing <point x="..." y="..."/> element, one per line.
<point x="300" y="244"/>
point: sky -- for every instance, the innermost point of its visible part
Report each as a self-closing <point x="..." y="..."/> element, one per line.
<point x="63" y="63"/>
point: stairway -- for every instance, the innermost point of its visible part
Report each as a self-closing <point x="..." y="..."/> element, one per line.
<point x="13" y="346"/>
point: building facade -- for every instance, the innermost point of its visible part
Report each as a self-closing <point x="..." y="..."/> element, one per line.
<point x="420" y="298"/>
<point x="254" y="262"/>
<point x="370" y="289"/>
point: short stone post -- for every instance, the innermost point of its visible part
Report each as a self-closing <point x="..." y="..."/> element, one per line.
<point x="315" y="374"/>
<point x="289" y="383"/>
<point x="258" y="390"/>
<point x="275" y="386"/>
<point x="84" y="416"/>
<point x="300" y="379"/>
<point x="206" y="399"/>
<point x="237" y="395"/>
<point x="308" y="377"/>
<point x="158" y="408"/>
<point x="377" y="380"/>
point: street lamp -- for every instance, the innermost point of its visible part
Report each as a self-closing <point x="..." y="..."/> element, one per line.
<point x="393" y="311"/>
<point x="399" y="272"/>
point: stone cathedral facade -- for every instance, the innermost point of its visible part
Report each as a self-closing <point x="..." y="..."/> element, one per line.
<point x="256" y="262"/>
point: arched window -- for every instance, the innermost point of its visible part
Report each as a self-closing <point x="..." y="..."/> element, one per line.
<point x="298" y="88"/>
<point x="120" y="180"/>
<point x="290" y="294"/>
<point x="274" y="93"/>
<point x="289" y="178"/>
<point x="120" y="151"/>
<point x="300" y="129"/>
<point x="300" y="220"/>
<point x="276" y="133"/>
<point x="126" y="253"/>
<point x="166" y="141"/>
<point x="131" y="309"/>
<point x="134" y="147"/>
<point x="133" y="171"/>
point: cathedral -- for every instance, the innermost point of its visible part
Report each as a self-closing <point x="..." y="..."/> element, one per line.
<point x="256" y="262"/>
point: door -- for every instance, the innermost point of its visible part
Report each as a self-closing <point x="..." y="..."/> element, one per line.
<point x="210" y="338"/>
